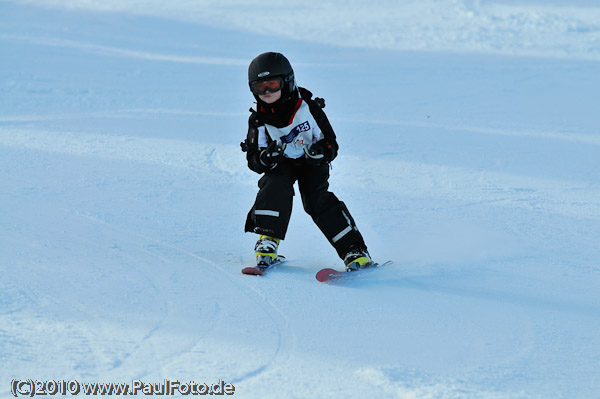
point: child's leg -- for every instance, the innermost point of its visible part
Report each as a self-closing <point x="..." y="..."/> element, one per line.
<point x="270" y="214"/>
<point x="329" y="213"/>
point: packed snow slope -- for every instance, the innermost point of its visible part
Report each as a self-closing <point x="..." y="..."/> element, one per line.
<point x="470" y="147"/>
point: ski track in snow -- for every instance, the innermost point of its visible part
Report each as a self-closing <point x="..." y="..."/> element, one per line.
<point x="167" y="254"/>
<point x="154" y="349"/>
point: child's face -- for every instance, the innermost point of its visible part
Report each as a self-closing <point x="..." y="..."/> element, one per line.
<point x="269" y="97"/>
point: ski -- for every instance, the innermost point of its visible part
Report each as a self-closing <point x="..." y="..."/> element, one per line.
<point x="331" y="275"/>
<point x="260" y="270"/>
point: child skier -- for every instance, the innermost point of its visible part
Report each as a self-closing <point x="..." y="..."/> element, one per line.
<point x="290" y="139"/>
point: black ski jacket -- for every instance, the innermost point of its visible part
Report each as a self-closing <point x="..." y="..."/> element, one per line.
<point x="316" y="105"/>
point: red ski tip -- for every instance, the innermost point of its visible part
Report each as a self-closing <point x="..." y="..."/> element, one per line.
<point x="324" y="275"/>
<point x="253" y="271"/>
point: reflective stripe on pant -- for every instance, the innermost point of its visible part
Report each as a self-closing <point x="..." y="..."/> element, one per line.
<point x="270" y="214"/>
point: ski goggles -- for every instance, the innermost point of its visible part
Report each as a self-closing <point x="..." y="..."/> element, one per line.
<point x="262" y="86"/>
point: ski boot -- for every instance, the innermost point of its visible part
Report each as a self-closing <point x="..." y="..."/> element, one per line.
<point x="357" y="258"/>
<point x="266" y="250"/>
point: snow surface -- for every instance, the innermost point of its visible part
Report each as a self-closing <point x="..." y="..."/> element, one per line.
<point x="470" y="140"/>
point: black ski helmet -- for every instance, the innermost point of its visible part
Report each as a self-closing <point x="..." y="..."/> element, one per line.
<point x="269" y="65"/>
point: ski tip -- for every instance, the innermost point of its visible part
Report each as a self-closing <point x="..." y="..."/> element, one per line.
<point x="253" y="271"/>
<point x="326" y="274"/>
<point x="261" y="270"/>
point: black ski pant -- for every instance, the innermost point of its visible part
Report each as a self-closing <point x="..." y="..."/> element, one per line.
<point x="270" y="214"/>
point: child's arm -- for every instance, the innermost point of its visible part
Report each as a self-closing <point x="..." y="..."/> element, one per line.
<point x="329" y="142"/>
<point x="252" y="146"/>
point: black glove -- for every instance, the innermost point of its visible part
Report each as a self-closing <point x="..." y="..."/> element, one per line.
<point x="319" y="153"/>
<point x="272" y="154"/>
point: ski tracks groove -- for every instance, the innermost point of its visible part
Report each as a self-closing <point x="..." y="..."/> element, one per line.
<point x="285" y="337"/>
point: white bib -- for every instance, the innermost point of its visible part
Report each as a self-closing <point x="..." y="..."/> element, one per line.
<point x="302" y="132"/>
